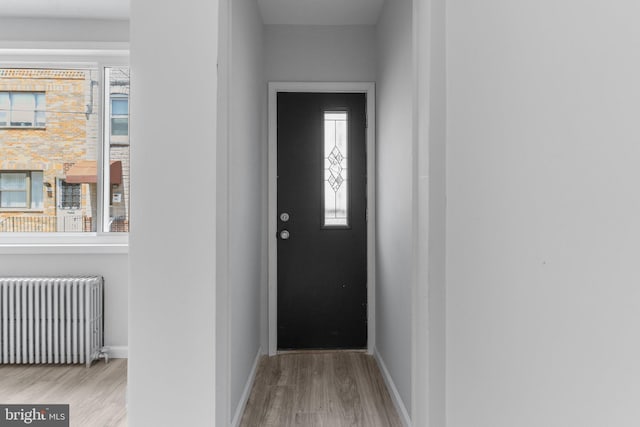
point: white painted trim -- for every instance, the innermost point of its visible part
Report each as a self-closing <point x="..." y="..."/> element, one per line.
<point x="64" y="49"/>
<point x="244" y="397"/>
<point x="118" y="351"/>
<point x="272" y="212"/>
<point x="367" y="88"/>
<point x="64" y="243"/>
<point x="393" y="391"/>
<point x="64" y="58"/>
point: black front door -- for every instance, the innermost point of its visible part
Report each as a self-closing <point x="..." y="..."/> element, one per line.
<point x="322" y="230"/>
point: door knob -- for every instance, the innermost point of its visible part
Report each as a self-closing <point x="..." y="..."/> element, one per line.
<point x="284" y="235"/>
<point x="284" y="217"/>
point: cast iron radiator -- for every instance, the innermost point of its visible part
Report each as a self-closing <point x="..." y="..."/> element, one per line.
<point x="56" y="320"/>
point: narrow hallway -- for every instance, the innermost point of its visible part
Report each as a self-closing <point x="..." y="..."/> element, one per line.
<point x="323" y="388"/>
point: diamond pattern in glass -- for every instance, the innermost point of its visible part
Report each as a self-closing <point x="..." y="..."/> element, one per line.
<point x="335" y="168"/>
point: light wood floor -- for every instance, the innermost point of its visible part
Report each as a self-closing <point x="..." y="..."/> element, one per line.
<point x="328" y="389"/>
<point x="96" y="395"/>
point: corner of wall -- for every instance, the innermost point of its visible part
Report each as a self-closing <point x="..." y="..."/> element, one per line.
<point x="393" y="391"/>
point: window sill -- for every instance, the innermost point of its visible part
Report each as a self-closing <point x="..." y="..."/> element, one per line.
<point x="25" y="127"/>
<point x="63" y="243"/>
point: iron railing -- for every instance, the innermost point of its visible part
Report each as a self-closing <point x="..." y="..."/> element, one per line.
<point x="61" y="223"/>
<point x="45" y="224"/>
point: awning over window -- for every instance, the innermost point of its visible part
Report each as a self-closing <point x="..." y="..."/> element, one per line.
<point x="86" y="172"/>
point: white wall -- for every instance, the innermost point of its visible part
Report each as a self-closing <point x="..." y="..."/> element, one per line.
<point x="543" y="302"/>
<point x="395" y="200"/>
<point x="173" y="216"/>
<point x="63" y="30"/>
<point x="247" y="104"/>
<point x="437" y="201"/>
<point x="320" y="53"/>
<point x="114" y="269"/>
<point x="429" y="328"/>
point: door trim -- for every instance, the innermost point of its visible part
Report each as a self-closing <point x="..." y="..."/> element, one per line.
<point x="368" y="88"/>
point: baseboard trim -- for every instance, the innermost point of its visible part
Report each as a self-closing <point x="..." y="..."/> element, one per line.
<point x="244" y="398"/>
<point x="395" y="396"/>
<point x="118" y="351"/>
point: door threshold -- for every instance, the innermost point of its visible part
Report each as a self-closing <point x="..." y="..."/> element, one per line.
<point x="323" y="351"/>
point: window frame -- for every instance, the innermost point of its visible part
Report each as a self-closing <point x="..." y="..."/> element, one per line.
<point x="80" y="56"/>
<point x="347" y="180"/>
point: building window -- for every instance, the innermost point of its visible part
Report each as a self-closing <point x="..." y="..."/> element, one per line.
<point x="73" y="174"/>
<point x="22" y="109"/>
<point x="70" y="195"/>
<point x="119" y="115"/>
<point x="117" y="132"/>
<point x="21" y="190"/>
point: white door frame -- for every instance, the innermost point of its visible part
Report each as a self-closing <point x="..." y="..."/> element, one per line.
<point x="368" y="88"/>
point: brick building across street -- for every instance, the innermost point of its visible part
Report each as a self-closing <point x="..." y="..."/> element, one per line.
<point x="49" y="150"/>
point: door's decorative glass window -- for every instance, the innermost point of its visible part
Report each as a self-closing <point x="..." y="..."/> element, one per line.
<point x="336" y="171"/>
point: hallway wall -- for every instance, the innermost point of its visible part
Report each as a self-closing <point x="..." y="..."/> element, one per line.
<point x="172" y="355"/>
<point x="320" y="53"/>
<point x="48" y="30"/>
<point x="429" y="334"/>
<point x="247" y="102"/>
<point x="395" y="186"/>
<point x="543" y="302"/>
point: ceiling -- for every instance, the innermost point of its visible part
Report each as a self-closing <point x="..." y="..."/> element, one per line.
<point x="287" y="12"/>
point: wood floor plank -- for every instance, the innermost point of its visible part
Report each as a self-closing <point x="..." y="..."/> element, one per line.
<point x="327" y="389"/>
<point x="304" y="419"/>
<point x="95" y="395"/>
<point x="369" y="375"/>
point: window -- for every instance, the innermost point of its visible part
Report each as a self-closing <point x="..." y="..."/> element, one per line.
<point x="336" y="177"/>
<point x="70" y="195"/>
<point x="21" y="190"/>
<point x="22" y="109"/>
<point x="73" y="174"/>
<point x="117" y="133"/>
<point x="119" y="115"/>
